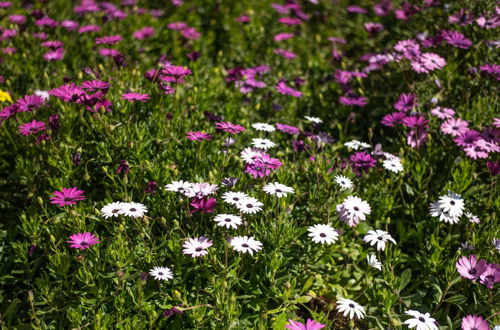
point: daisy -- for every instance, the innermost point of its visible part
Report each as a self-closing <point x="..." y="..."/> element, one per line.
<point x="393" y="165"/>
<point x="134" y="210"/>
<point x="353" y="210"/>
<point x="378" y="237"/>
<point x="310" y="325"/>
<point x="245" y="244"/>
<point x="67" y="196"/>
<point x="471" y="322"/>
<point x="233" y="197"/>
<point x="112" y="209"/>
<point x="278" y="189"/>
<point x="356" y="145"/>
<point x="31" y="128"/>
<point x="472" y="217"/>
<point x="161" y="273"/>
<point x="201" y="190"/>
<point x="83" y="241"/>
<point x="490" y="276"/>
<point x="228" y="220"/>
<point x="452" y="203"/>
<point x="314" y="120"/>
<point x="323" y="234"/>
<point x="436" y="211"/>
<point x="179" y="186"/>
<point x="229" y="127"/>
<point x="343" y="181"/>
<point x="263" y="143"/>
<point x="421" y="321"/>
<point x="196" y="247"/>
<point x="264" y="127"/>
<point x="496" y="243"/>
<point x="347" y="306"/>
<point x="373" y="262"/>
<point x="249" y="155"/>
<point x="249" y="205"/>
<point x="470" y="268"/>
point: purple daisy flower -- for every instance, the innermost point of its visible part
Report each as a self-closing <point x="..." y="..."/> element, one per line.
<point x="229" y="127"/>
<point x="198" y="136"/>
<point x="29" y="103"/>
<point x="32" y="128"/>
<point x="83" y="241"/>
<point x="135" y="97"/>
<point x="406" y="102"/>
<point x="67" y="196"/>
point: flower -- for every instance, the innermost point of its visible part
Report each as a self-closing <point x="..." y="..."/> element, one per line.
<point x="474" y="322"/>
<point x="228" y="220"/>
<point x="108" y="40"/>
<point x="229" y="127"/>
<point x="287" y="129"/>
<point x="198" y="136"/>
<point x="456" y="39"/>
<point x="171" y="311"/>
<point x="490" y="276"/>
<point x="161" y="273"/>
<point x="282" y="88"/>
<point x="496" y="243"/>
<point x="83" y="241"/>
<point x="470" y="268"/>
<point x="277" y="189"/>
<point x="443" y="113"/>
<point x="134" y="210"/>
<point x="310" y="325"/>
<point x="378" y="237"/>
<point x="347" y="306"/>
<point x="122" y="167"/>
<point x="264" y="127"/>
<point x="29" y="103"/>
<point x="234" y="197"/>
<point x="246" y="244"/>
<point x="373" y="262"/>
<point x="112" y="209"/>
<point x="263" y="143"/>
<point x="353" y="210"/>
<point x="196" y="247"/>
<point x="249" y="205"/>
<point x="230" y="181"/>
<point x="179" y="186"/>
<point x="343" y="181"/>
<point x="406" y="102"/>
<point x="393" y="165"/>
<point x="203" y="204"/>
<point x="314" y="120"/>
<point x="4" y="96"/>
<point x="362" y="161"/>
<point x="448" y="208"/>
<point x="133" y="97"/>
<point x="323" y="234"/>
<point x="472" y="217"/>
<point x="67" y="196"/>
<point x="420" y="321"/>
<point x="200" y="189"/>
<point x="392" y="119"/>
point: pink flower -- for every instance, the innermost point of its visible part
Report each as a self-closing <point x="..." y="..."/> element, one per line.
<point x="443" y="113"/>
<point x="282" y="36"/>
<point x="282" y="88"/>
<point x="83" y="241"/>
<point x="490" y="276"/>
<point x="310" y="325"/>
<point x="108" y="40"/>
<point x="204" y="205"/>
<point x="145" y="32"/>
<point x="229" y="127"/>
<point x="454" y="127"/>
<point x="67" y="196"/>
<point x="133" y="97"/>
<point x="474" y="322"/>
<point x="285" y="53"/>
<point x="198" y="136"/>
<point x="470" y="268"/>
<point x="32" y="128"/>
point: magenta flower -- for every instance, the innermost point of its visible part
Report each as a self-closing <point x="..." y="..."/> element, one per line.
<point x="198" y="136"/>
<point x="431" y="61"/>
<point x="283" y="36"/>
<point x="406" y="102"/>
<point x="457" y="39"/>
<point x="67" y="196"/>
<point x="108" y="40"/>
<point x="95" y="86"/>
<point x="468" y="138"/>
<point x="490" y="276"/>
<point x="288" y="129"/>
<point x="190" y="33"/>
<point x="310" y="325"/>
<point x="470" y="268"/>
<point x="373" y="28"/>
<point x="83" y="241"/>
<point x="454" y="127"/>
<point x="285" y="53"/>
<point x="443" y="113"/>
<point x="123" y="167"/>
<point x="417" y="121"/>
<point x="29" y="103"/>
<point x="290" y="21"/>
<point x="416" y="138"/>
<point x="54" y="55"/>
<point x="32" y="128"/>
<point x="144" y="33"/>
<point x="89" y="29"/>
<point x="357" y="10"/>
<point x="493" y="167"/>
<point x="282" y="88"/>
<point x="176" y="71"/>
<point x="204" y="204"/>
<point x="474" y="322"/>
<point x="393" y="119"/>
<point x="362" y="161"/>
<point x="229" y="127"/>
<point x="353" y="100"/>
<point x="133" y="97"/>
<point x="177" y="26"/>
<point x="462" y="17"/>
<point x="67" y="93"/>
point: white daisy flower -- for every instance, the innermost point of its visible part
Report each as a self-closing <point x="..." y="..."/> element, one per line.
<point x="348" y="306"/>
<point x="134" y="210"/>
<point x="421" y="321"/>
<point x="233" y="197"/>
<point x="200" y="190"/>
<point x="323" y="234"/>
<point x="249" y="205"/>
<point x="228" y="220"/>
<point x="496" y="243"/>
<point x="378" y="237"/>
<point x="43" y="94"/>
<point x="112" y="209"/>
<point x="353" y="210"/>
<point x="356" y="145"/>
<point x="263" y="143"/>
<point x="393" y="165"/>
<point x="250" y="154"/>
<point x="246" y="244"/>
<point x="343" y="181"/>
<point x="452" y="203"/>
<point x="161" y="273"/>
<point x="179" y="186"/>
<point x="436" y="211"/>
<point x="264" y="127"/>
<point x="373" y="262"/>
<point x="315" y="120"/>
<point x="196" y="247"/>
<point x="277" y="189"/>
<point x="472" y="217"/>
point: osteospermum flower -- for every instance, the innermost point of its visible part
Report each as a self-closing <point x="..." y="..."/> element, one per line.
<point x="67" y="196"/>
<point x="134" y="210"/>
<point x="393" y="165"/>
<point x="343" y="181"/>
<point x="32" y="128"/>
<point x="356" y="145"/>
<point x="228" y="220"/>
<point x="198" y="136"/>
<point x="350" y="307"/>
<point x="378" y="237"/>
<point x="353" y="210"/>
<point x="264" y="127"/>
<point x="490" y="276"/>
<point x="373" y="262"/>
<point x="421" y="321"/>
<point x="229" y="127"/>
<point x="200" y="189"/>
<point x="314" y="120"/>
<point x="310" y="325"/>
<point x="197" y="247"/>
<point x="179" y="186"/>
<point x="112" y="209"/>
<point x="449" y="208"/>
<point x="249" y="205"/>
<point x="471" y="268"/>
<point x="474" y="322"/>
<point x="262" y="143"/>
<point x="246" y="244"/>
<point x="83" y="241"/>
<point x="233" y="197"/>
<point x="323" y="234"/>
<point x="134" y="97"/>
<point x="278" y="189"/>
<point x="161" y="273"/>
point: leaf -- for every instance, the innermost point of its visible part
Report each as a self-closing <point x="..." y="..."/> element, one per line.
<point x="404" y="279"/>
<point x="457" y="299"/>
<point x="280" y="321"/>
<point x="302" y="300"/>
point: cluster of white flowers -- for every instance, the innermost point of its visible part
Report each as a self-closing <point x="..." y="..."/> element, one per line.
<point x="191" y="190"/>
<point x="134" y="210"/>
<point x="353" y="210"/>
<point x="243" y="202"/>
<point x="448" y="208"/>
<point x="357" y="145"/>
<point x="264" y="127"/>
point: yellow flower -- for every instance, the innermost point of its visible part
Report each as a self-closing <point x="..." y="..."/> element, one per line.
<point x="4" y="96"/>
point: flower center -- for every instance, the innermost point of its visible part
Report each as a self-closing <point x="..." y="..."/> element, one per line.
<point x="160" y="273"/>
<point x="472" y="271"/>
<point x="133" y="209"/>
<point x="249" y="206"/>
<point x="380" y="238"/>
<point x="452" y="202"/>
<point x="84" y="243"/>
<point x="322" y="235"/>
<point x="227" y="220"/>
<point x="198" y="249"/>
<point x="421" y="319"/>
<point x="351" y="305"/>
<point x="67" y="199"/>
<point x="356" y="208"/>
<point x="245" y="245"/>
<point x="115" y="211"/>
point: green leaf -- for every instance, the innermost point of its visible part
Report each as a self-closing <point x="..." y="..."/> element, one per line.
<point x="457" y="299"/>
<point x="404" y="279"/>
<point x="280" y="321"/>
